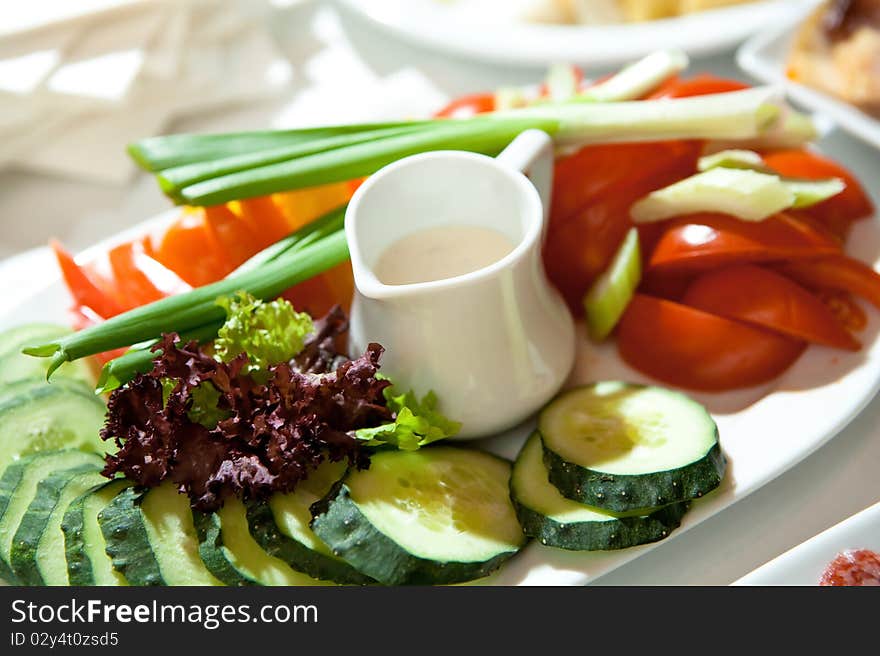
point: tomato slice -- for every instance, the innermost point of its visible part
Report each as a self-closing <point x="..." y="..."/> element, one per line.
<point x="839" y="272"/>
<point x="766" y="299"/>
<point x="844" y="308"/>
<point x="590" y="173"/>
<point x="699" y="85"/>
<point x="683" y="346"/>
<point x="469" y="105"/>
<point x="701" y="242"/>
<point x="838" y="212"/>
<point x="188" y="249"/>
<point x="593" y="192"/>
<point x="82" y="286"/>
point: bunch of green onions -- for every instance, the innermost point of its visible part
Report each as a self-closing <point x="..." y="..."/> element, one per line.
<point x="213" y="169"/>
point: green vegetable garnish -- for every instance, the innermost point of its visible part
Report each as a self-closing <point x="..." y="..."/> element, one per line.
<point x="204" y="408"/>
<point x="212" y="169"/>
<point x="268" y="333"/>
<point x="417" y="422"/>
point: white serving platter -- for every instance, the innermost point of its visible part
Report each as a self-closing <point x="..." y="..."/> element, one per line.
<point x="764" y="431"/>
<point x="804" y="564"/>
<point x="765" y="57"/>
<point x="439" y="26"/>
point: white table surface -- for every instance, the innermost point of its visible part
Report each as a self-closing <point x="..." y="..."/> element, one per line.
<point x="334" y="52"/>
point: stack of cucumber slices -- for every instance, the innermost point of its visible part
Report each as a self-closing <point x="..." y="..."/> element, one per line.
<point x="614" y="465"/>
<point x="439" y="515"/>
<point x="611" y="465"/>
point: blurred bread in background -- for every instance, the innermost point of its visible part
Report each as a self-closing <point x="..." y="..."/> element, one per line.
<point x="837" y="50"/>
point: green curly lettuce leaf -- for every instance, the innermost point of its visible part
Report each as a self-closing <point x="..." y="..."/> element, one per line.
<point x="269" y="333"/>
<point x="416" y="424"/>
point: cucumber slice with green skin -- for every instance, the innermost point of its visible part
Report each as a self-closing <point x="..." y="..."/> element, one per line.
<point x="84" y="545"/>
<point x="555" y="521"/>
<point x="623" y="447"/>
<point x="152" y="540"/>
<point x="18" y="487"/>
<point x="37" y="555"/>
<point x="281" y="527"/>
<point x="613" y="290"/>
<point x="50" y="417"/>
<point x="126" y="539"/>
<point x="231" y="553"/>
<point x="15" y="365"/>
<point x="433" y="516"/>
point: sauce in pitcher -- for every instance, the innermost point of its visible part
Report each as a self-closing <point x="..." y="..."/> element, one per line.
<point x="439" y="253"/>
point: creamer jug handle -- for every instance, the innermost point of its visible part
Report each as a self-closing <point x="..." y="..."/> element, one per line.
<point x="532" y="154"/>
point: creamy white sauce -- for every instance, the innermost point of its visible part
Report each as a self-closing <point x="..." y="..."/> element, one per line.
<point x="439" y="253"/>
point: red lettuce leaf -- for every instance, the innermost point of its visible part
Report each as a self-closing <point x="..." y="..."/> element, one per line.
<point x="274" y="434"/>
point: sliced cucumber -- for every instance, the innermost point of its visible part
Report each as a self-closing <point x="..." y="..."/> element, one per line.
<point x="233" y="556"/>
<point x="436" y="515"/>
<point x="623" y="447"/>
<point x="15" y="365"/>
<point x="548" y="516"/>
<point x="18" y="487"/>
<point x="47" y="417"/>
<point x="613" y="290"/>
<point x="37" y="555"/>
<point x="84" y="544"/>
<point x="743" y="193"/>
<point x="152" y="540"/>
<point x="281" y="527"/>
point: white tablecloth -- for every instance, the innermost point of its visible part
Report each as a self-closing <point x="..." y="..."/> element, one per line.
<point x="345" y="69"/>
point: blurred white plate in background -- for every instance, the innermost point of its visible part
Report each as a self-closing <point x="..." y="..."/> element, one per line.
<point x="804" y="564"/>
<point x="439" y="26"/>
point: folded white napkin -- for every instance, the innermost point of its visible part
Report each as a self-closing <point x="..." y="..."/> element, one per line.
<point x="77" y="89"/>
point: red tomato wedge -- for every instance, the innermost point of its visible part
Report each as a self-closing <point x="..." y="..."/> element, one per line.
<point x="593" y="191"/>
<point x="840" y="272"/>
<point x="699" y="85"/>
<point x="683" y="346"/>
<point x="187" y="249"/>
<point x="83" y="288"/>
<point x="590" y="173"/>
<point x="844" y="308"/>
<point x="139" y="278"/>
<point x="469" y="105"/>
<point x="838" y="212"/>
<point x="701" y="242"/>
<point x="766" y="299"/>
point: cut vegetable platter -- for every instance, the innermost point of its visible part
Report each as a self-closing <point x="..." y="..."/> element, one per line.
<point x="764" y="431"/>
<point x="719" y="262"/>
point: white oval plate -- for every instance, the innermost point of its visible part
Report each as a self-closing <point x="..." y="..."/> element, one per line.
<point x="430" y="23"/>
<point x="804" y="564"/>
<point x="765" y="57"/>
<point x="764" y="431"/>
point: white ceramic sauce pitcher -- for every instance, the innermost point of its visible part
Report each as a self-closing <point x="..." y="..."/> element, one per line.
<point x="494" y="344"/>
